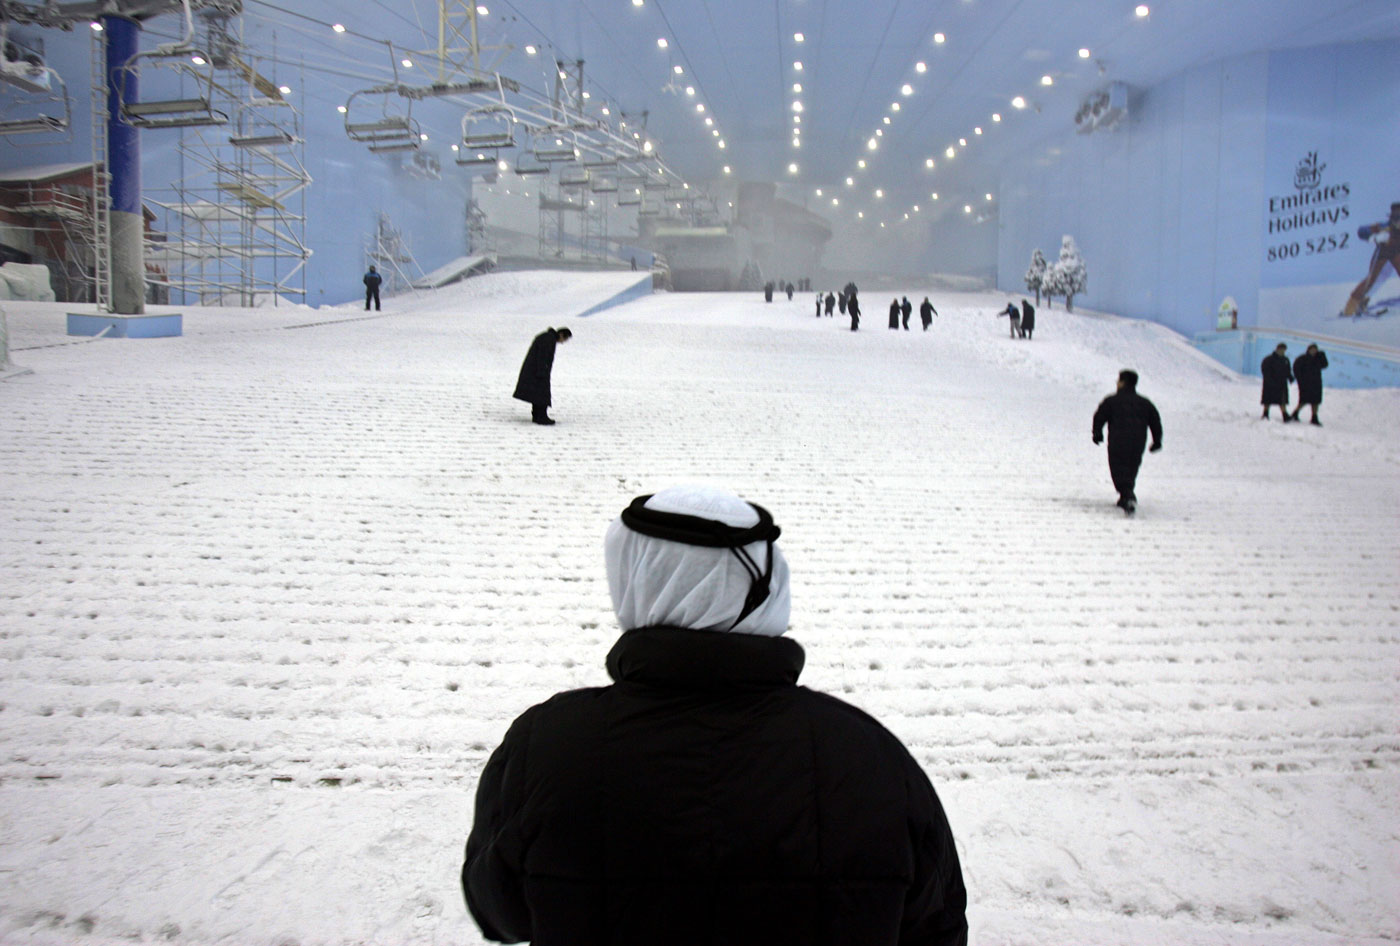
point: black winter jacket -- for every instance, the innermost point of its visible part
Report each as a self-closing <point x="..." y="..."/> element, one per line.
<point x="1308" y="370"/>
<point x="706" y="798"/>
<point x="533" y="383"/>
<point x="1277" y="373"/>
<point x="1129" y="417"/>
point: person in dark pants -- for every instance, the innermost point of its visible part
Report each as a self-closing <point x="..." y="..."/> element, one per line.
<point x="853" y="310"/>
<point x="789" y="291"/>
<point x="841" y="302"/>
<point x="831" y="304"/>
<point x="1307" y="369"/>
<point x="1277" y="373"/>
<point x="1027" y="318"/>
<point x="1130" y="417"/>
<point x="704" y="796"/>
<point x="905" y="308"/>
<point x="372" y="281"/>
<point x="533" y="383"/>
<point x="894" y="313"/>
<point x="926" y="313"/>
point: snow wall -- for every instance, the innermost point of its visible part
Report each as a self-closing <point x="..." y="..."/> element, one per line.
<point x="1247" y="177"/>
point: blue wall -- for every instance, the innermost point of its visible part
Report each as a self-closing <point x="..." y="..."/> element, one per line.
<point x="1170" y="210"/>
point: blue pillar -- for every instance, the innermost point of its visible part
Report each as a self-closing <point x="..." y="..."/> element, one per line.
<point x="124" y="169"/>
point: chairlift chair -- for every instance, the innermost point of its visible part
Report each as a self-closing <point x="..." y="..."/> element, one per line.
<point x="386" y="127"/>
<point x="553" y="146"/>
<point x="630" y="196"/>
<point x="41" y="108"/>
<point x="490" y="127"/>
<point x="524" y="166"/>
<point x="477" y="159"/>
<point x="603" y="184"/>
<point x="190" y="112"/>
<point x="574" y="177"/>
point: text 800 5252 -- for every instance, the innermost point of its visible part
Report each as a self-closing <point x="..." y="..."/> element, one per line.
<point x="1309" y="247"/>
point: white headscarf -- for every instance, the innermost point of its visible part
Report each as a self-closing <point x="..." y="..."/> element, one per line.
<point x="657" y="582"/>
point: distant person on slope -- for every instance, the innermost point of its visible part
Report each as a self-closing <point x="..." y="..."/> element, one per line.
<point x="1027" y="318"/>
<point x="1307" y="370"/>
<point x="831" y="304"/>
<point x="926" y="313"/>
<point x="704" y="797"/>
<point x="905" y="308"/>
<point x="533" y="384"/>
<point x="372" y="281"/>
<point x="853" y="310"/>
<point x="894" y="313"/>
<point x="1277" y="373"/>
<point x="1129" y="417"/>
<point x="1014" y="314"/>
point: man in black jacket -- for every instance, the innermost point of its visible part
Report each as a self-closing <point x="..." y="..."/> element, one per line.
<point x="926" y="313"/>
<point x="1277" y="373"/>
<point x="1129" y="417"/>
<point x="704" y="797"/>
<point x="1027" y="319"/>
<point x="372" y="280"/>
<point x="533" y="383"/>
<point x="1307" y="369"/>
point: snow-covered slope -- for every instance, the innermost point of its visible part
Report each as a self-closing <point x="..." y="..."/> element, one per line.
<point x="273" y="590"/>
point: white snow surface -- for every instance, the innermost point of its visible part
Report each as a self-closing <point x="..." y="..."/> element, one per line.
<point x="273" y="591"/>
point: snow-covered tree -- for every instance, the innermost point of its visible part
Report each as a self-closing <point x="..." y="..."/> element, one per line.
<point x="1074" y="276"/>
<point x="1053" y="284"/>
<point x="1035" y="276"/>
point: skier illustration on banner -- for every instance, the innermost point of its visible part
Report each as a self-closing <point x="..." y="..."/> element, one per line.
<point x="1386" y="235"/>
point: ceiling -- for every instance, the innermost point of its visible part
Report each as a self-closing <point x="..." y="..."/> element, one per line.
<point x="740" y="59"/>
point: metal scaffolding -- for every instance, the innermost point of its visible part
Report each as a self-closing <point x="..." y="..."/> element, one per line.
<point x="235" y="219"/>
<point x="390" y="253"/>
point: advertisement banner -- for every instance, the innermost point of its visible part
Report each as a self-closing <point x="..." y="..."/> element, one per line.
<point x="1332" y="192"/>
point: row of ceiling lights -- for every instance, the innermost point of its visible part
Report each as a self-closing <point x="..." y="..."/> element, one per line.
<point x="1019" y="102"/>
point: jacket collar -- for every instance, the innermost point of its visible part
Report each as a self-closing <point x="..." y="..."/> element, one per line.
<point x="680" y="658"/>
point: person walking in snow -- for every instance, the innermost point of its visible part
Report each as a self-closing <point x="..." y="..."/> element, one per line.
<point x="1015" y="315"/>
<point x="894" y="314"/>
<point x="1027" y="318"/>
<point x="1277" y="373"/>
<point x="704" y="796"/>
<point x="819" y="305"/>
<point x="533" y="383"/>
<point x="841" y="302"/>
<point x="790" y="290"/>
<point x="853" y="310"/>
<point x="1307" y="370"/>
<point x="1129" y="417"/>
<point x="926" y="313"/>
<point x="831" y="304"/>
<point x="905" y="308"/>
<point x="372" y="280"/>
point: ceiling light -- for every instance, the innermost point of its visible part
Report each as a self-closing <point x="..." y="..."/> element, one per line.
<point x="920" y="67"/>
<point x="797" y="87"/>
<point x="482" y="11"/>
<point x="879" y="192"/>
<point x="636" y="3"/>
<point x="678" y="70"/>
<point x="798" y="38"/>
<point x="819" y="191"/>
<point x="835" y="202"/>
<point x="690" y="90"/>
<point x="407" y="63"/>
<point x="989" y="196"/>
<point x="1142" y="10"/>
<point x="996" y="116"/>
<point x="928" y="162"/>
<point x="726" y="169"/>
<point x="906" y="216"/>
<point x="850" y="182"/>
<point x="661" y="43"/>
<point x="861" y="164"/>
<point x="646" y="146"/>
<point x="977" y="130"/>
<point x="860" y="214"/>
<point x="1046" y="80"/>
<point x="934" y="195"/>
<point x="792" y="168"/>
<point x="338" y="27"/>
<point x="699" y="106"/>
<point x="797" y="142"/>
<point x="1083" y="53"/>
<point x="906" y="89"/>
<point x="502" y="165"/>
<point x="894" y="106"/>
<point x="721" y="142"/>
<point x="916" y="208"/>
<point x="709" y="122"/>
<point x="715" y="132"/>
<point x="1018" y="102"/>
<point x="606" y="111"/>
<point x="797" y="66"/>
<point x="886" y="121"/>
<point x="587" y="94"/>
<point x="96" y="26"/>
<point x="285" y="89"/>
<point x="872" y="144"/>
<point x="797" y="106"/>
<point x="797" y="119"/>
<point x="939" y="37"/>
<point x="197" y="59"/>
<point x="962" y="142"/>
<point x="950" y="152"/>
<point x="341" y="109"/>
<point x="530" y="50"/>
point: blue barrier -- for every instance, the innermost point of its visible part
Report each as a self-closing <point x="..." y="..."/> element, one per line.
<point x="1349" y="364"/>
<point x="126" y="326"/>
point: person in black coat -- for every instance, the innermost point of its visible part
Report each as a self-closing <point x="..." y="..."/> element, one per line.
<point x="533" y="383"/>
<point x="1130" y="417"/>
<point x="905" y="308"/>
<point x="372" y="280"/>
<point x="926" y="313"/>
<point x="1277" y="373"/>
<point x="853" y="310"/>
<point x="1027" y="318"/>
<point x="831" y="304"/>
<point x="705" y="797"/>
<point x="1307" y="369"/>
<point x="841" y="302"/>
<point x="894" y="313"/>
